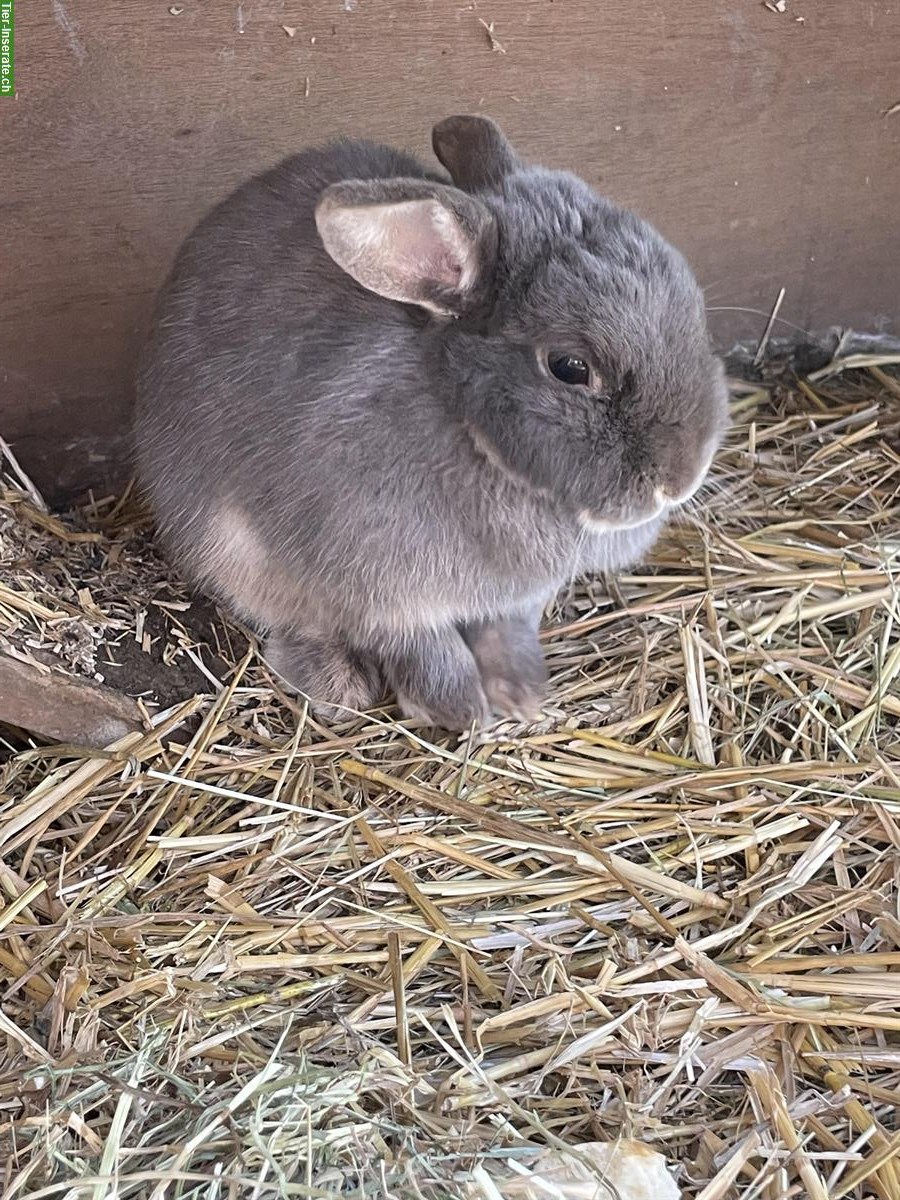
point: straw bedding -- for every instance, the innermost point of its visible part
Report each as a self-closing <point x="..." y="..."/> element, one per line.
<point x="243" y="954"/>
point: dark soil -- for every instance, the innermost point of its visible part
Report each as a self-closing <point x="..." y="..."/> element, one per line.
<point x="130" y="668"/>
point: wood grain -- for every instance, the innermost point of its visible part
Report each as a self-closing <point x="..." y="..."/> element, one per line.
<point x="61" y="708"/>
<point x="754" y="139"/>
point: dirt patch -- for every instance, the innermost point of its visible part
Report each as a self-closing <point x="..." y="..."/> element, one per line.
<point x="157" y="667"/>
<point x="91" y="595"/>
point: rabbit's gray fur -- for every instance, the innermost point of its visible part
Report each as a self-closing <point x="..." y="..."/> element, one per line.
<point x="394" y="488"/>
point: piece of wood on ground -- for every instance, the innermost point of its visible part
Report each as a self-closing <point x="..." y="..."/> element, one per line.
<point x="61" y="708"/>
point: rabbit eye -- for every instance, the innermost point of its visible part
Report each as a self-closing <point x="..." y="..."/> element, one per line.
<point x="568" y="368"/>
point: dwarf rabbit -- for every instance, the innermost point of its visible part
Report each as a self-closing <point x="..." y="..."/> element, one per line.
<point x="384" y="416"/>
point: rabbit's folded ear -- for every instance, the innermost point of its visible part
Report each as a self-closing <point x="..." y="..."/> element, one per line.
<point x="474" y="150"/>
<point x="410" y="240"/>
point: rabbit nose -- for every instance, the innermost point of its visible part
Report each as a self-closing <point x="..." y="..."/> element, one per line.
<point x="665" y="496"/>
<point x="682" y="476"/>
<point x="677" y="491"/>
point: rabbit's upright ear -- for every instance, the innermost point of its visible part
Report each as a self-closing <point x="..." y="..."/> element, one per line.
<point x="410" y="240"/>
<point x="474" y="150"/>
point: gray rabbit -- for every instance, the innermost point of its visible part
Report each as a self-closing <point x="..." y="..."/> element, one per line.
<point x="384" y="416"/>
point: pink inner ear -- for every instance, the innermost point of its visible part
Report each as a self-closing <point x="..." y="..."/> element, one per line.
<point x="426" y="244"/>
<point x="404" y="250"/>
<point x="445" y="271"/>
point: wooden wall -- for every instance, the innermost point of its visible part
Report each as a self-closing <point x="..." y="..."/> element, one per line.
<point x="759" y="141"/>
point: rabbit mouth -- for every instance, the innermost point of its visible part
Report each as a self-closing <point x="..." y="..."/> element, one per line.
<point x="595" y="523"/>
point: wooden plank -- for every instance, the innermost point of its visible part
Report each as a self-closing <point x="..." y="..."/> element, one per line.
<point x="61" y="708"/>
<point x="756" y="140"/>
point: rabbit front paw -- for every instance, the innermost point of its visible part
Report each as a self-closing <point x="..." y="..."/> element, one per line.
<point x="456" y="709"/>
<point x="513" y="697"/>
<point x="513" y="671"/>
<point x="437" y="680"/>
<point x="336" y="679"/>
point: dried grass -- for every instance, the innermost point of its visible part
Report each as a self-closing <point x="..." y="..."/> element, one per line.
<point x="246" y="955"/>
